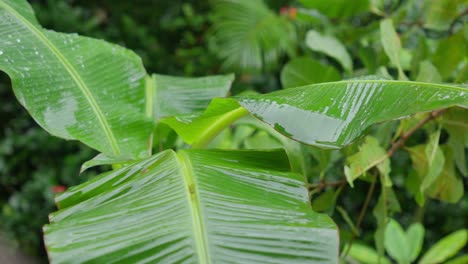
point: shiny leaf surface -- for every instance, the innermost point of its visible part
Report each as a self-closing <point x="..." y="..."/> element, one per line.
<point x="175" y="96"/>
<point x="195" y="207"/>
<point x="199" y="129"/>
<point x="334" y="114"/>
<point x="75" y="87"/>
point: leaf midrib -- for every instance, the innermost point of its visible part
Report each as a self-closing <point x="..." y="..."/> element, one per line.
<point x="444" y="86"/>
<point x="194" y="204"/>
<point x="73" y="73"/>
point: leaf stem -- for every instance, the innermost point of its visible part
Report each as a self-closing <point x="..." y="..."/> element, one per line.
<point x="214" y="129"/>
<point x="361" y="214"/>
<point x="403" y="138"/>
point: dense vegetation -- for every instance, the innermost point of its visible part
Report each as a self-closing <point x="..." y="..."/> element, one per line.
<point x="291" y="42"/>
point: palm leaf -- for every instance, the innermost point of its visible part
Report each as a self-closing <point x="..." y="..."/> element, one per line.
<point x="75" y="87"/>
<point x="193" y="207"/>
<point x="250" y="36"/>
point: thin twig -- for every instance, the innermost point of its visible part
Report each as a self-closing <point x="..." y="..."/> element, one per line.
<point x="403" y="138"/>
<point x="395" y="146"/>
<point x="361" y="214"/>
<point x="322" y="184"/>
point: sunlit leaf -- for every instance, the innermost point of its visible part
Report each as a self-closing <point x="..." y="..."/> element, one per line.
<point x="330" y="46"/>
<point x="391" y="44"/>
<point x="366" y="255"/>
<point x="459" y="260"/>
<point x="428" y="73"/>
<point x="455" y="122"/>
<point x="445" y="248"/>
<point x="192" y="206"/>
<point x="450" y="53"/>
<point x="370" y="154"/>
<point x="198" y="129"/>
<point x="334" y="114"/>
<point x="304" y="71"/>
<point x="415" y="237"/>
<point x="448" y="186"/>
<point x="386" y="206"/>
<point x="440" y="14"/>
<point x="75" y="87"/>
<point x="396" y="243"/>
<point x="435" y="160"/>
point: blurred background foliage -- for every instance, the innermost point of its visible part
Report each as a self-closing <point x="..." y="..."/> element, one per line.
<point x="270" y="45"/>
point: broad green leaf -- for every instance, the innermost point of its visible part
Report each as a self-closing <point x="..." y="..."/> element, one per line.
<point x="304" y="71"/>
<point x="262" y="140"/>
<point x="75" y="87"/>
<point x="387" y="204"/>
<point x="445" y="248"/>
<point x="416" y="176"/>
<point x="331" y="47"/>
<point x="297" y="152"/>
<point x="448" y="186"/>
<point x="450" y="53"/>
<point x="455" y="122"/>
<point x="396" y="243"/>
<point x="415" y="237"/>
<point x="199" y="129"/>
<point x="403" y="246"/>
<point x="370" y="155"/>
<point x="440" y="14"/>
<point x="176" y="96"/>
<point x="196" y="207"/>
<point x="428" y="73"/>
<point x="250" y="36"/>
<point x="325" y="202"/>
<point x="366" y="255"/>
<point x="334" y="114"/>
<point x="338" y="8"/>
<point x="102" y="159"/>
<point x="435" y="160"/>
<point x="391" y="44"/>
<point x="459" y="260"/>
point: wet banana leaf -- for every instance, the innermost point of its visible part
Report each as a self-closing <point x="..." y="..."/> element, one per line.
<point x="75" y="87"/>
<point x="194" y="206"/>
<point x="334" y="114"/>
<point x="176" y="96"/>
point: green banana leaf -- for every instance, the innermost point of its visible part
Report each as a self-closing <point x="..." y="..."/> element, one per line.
<point x="334" y="114"/>
<point x="75" y="87"/>
<point x="195" y="206"/>
<point x="176" y="96"/>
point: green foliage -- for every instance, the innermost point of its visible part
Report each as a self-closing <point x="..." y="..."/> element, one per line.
<point x="249" y="36"/>
<point x="329" y="46"/>
<point x="153" y="194"/>
<point x="419" y="157"/>
<point x="303" y="71"/>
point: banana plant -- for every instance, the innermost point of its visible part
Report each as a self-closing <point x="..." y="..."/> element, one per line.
<point x="194" y="205"/>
